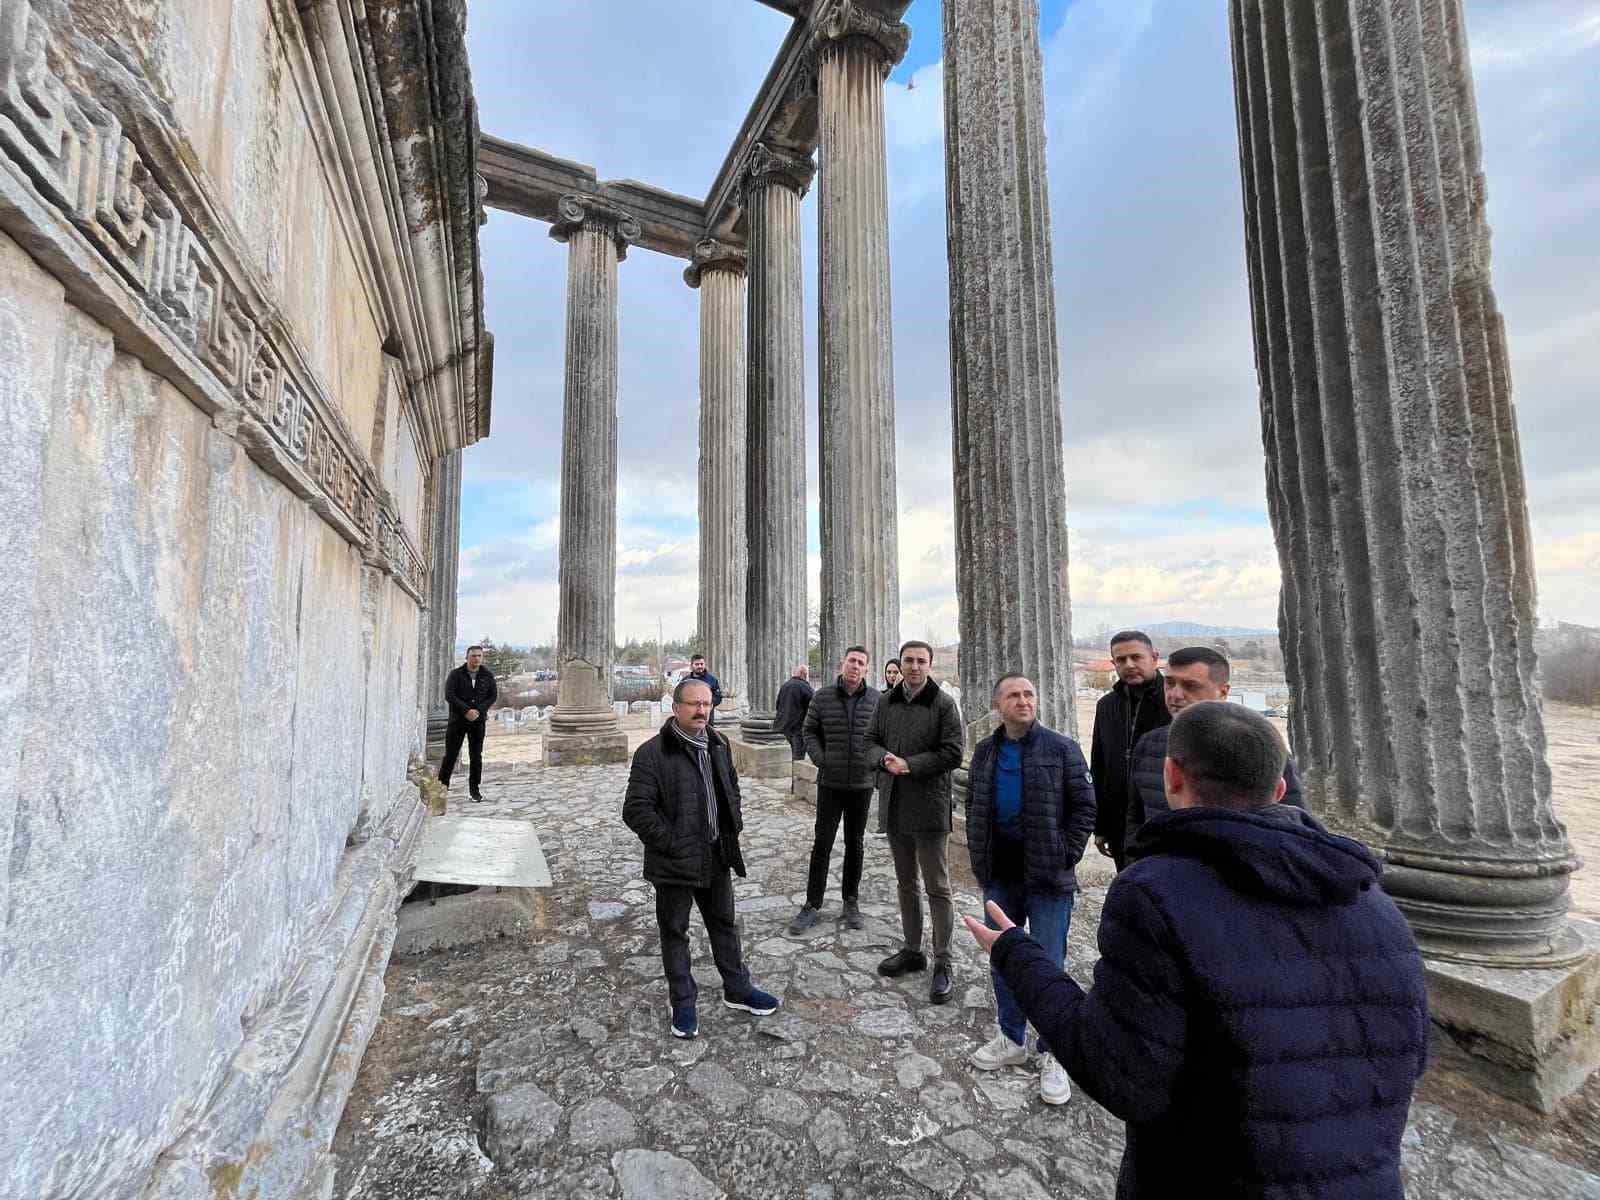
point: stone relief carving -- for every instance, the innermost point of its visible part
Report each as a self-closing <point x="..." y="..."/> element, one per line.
<point x="77" y="156"/>
<point x="849" y="21"/>
<point x="574" y="211"/>
<point x="768" y="166"/>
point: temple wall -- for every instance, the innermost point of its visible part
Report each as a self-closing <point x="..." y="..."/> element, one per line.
<point x="214" y="483"/>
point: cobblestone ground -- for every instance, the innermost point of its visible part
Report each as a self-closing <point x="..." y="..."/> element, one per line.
<point x="543" y="1066"/>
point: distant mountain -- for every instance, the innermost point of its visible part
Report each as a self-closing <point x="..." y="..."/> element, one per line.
<point x="1171" y="629"/>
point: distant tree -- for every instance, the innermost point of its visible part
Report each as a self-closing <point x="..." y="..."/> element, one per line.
<point x="634" y="654"/>
<point x="502" y="660"/>
<point x="1570" y="666"/>
<point x="1251" y="649"/>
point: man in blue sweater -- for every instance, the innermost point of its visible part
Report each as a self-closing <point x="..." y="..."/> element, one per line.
<point x="1030" y="812"/>
<point x="1258" y="1016"/>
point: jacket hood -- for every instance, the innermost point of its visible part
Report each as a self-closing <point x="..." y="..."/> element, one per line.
<point x="1278" y="852"/>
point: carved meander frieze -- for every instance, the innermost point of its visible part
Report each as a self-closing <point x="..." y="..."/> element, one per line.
<point x="74" y="152"/>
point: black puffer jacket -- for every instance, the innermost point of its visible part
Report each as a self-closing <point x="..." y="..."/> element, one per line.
<point x="1147" y="786"/>
<point x="1258" y="1016"/>
<point x="665" y="805"/>
<point x="926" y="732"/>
<point x="1057" y="809"/>
<point x="1121" y="718"/>
<point x="836" y="735"/>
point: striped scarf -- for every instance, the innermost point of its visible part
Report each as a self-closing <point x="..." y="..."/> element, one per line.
<point x="702" y="749"/>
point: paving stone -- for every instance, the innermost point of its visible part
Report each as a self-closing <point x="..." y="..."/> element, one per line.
<point x="519" y="1121"/>
<point x="947" y="1104"/>
<point x="1029" y="1152"/>
<point x="785" y="1108"/>
<point x="935" y="1170"/>
<point x="657" y="1175"/>
<point x="974" y="1146"/>
<point x="606" y="910"/>
<point x="510" y="1060"/>
<point x="718" y="1086"/>
<point x="887" y="1023"/>
<point x="831" y="1135"/>
<point x="642" y="1082"/>
<point x="1501" y="1168"/>
<point x="1018" y="1183"/>
<point x="601" y="1123"/>
<point x="912" y="1070"/>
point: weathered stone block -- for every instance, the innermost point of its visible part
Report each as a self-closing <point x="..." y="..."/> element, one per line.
<point x="585" y="749"/>
<point x="1530" y="1034"/>
<point x="756" y="760"/>
<point x="805" y="779"/>
<point x="465" y="919"/>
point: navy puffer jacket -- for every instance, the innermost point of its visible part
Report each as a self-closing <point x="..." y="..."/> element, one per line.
<point x="1258" y="1016"/>
<point x="1057" y="809"/>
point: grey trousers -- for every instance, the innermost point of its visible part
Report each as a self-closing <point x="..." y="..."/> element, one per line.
<point x="924" y="853"/>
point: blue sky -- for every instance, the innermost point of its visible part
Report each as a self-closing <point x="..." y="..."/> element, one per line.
<point x="1164" y="466"/>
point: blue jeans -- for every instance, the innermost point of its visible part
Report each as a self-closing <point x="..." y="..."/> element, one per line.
<point x="1046" y="916"/>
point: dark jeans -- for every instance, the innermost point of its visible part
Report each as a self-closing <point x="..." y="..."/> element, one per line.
<point x="832" y="804"/>
<point x="473" y="731"/>
<point x="1046" y="915"/>
<point x="797" y="744"/>
<point x="673" y="903"/>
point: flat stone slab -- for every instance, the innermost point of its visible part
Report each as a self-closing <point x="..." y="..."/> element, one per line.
<point x="481" y="850"/>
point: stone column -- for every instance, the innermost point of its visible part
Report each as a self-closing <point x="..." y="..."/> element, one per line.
<point x="1394" y="481"/>
<point x="439" y="648"/>
<point x="856" y="48"/>
<point x="583" y="728"/>
<point x="718" y="271"/>
<point x="1005" y="399"/>
<point x="775" y="604"/>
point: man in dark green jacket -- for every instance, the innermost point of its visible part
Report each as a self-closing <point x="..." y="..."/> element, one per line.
<point x="915" y="738"/>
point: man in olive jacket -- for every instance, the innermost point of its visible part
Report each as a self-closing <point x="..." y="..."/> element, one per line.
<point x="915" y="738"/>
<point x="836" y="739"/>
<point x="683" y="802"/>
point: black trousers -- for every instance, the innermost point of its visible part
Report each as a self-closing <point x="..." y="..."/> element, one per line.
<point x="797" y="744"/>
<point x="853" y="807"/>
<point x="473" y="731"/>
<point x="673" y="903"/>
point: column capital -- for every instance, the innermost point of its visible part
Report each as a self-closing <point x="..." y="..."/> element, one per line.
<point x="712" y="255"/>
<point x="575" y="211"/>
<point x="767" y="166"/>
<point x="849" y="20"/>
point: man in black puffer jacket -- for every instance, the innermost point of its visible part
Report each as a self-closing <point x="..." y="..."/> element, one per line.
<point x="1132" y="708"/>
<point x="1258" y="1016"/>
<point x="683" y="802"/>
<point x="836" y="739"/>
<point x="1030" y="811"/>
<point x="1194" y="675"/>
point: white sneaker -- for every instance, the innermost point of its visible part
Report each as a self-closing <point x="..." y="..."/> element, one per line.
<point x="1054" y="1086"/>
<point x="999" y="1052"/>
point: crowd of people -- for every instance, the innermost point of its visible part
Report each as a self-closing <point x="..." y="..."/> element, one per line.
<point x="1258" y="1016"/>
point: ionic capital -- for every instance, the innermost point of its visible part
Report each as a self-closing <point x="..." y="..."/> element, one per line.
<point x="712" y="255"/>
<point x="767" y="166"/>
<point x="848" y="20"/>
<point x="575" y="212"/>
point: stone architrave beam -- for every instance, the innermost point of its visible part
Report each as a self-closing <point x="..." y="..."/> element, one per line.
<point x="856" y="48"/>
<point x="532" y="183"/>
<point x="583" y="727"/>
<point x="1005" y="388"/>
<point x="718" y="271"/>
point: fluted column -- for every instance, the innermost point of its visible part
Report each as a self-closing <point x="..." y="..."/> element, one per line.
<point x="1394" y="475"/>
<point x="776" y="601"/>
<point x="856" y="48"/>
<point x="718" y="270"/>
<point x="439" y="648"/>
<point x="1010" y="486"/>
<point x="583" y="728"/>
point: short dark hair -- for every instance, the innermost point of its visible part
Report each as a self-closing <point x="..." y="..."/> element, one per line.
<point x="1001" y="682"/>
<point x="904" y="646"/>
<point x="694" y="658"/>
<point x="1131" y="635"/>
<point x="861" y="650"/>
<point x="1231" y="756"/>
<point x="1216" y="664"/>
<point x="470" y="649"/>
<point x="688" y="681"/>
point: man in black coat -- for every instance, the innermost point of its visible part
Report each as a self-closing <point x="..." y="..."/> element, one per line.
<point x="1030" y="811"/>
<point x="683" y="802"/>
<point x="1194" y="675"/>
<point x="698" y="671"/>
<point x="836" y="739"/>
<point x="1132" y="708"/>
<point x="469" y="690"/>
<point x="794" y="701"/>
<point x="915" y="738"/>
<point x="1258" y="1017"/>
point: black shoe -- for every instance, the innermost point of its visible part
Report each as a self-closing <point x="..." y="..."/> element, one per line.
<point x="903" y="962"/>
<point x="852" y="915"/>
<point x="477" y="795"/>
<point x="803" y="920"/>
<point x="939" y="988"/>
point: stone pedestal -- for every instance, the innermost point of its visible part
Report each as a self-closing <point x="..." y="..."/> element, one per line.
<point x="1395" y="486"/>
<point x="1005" y="395"/>
<point x="583" y="727"/>
<point x="856" y="48"/>
<point x="805" y="779"/>
<point x="762" y="760"/>
<point x="775" y="601"/>
<point x="718" y="272"/>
